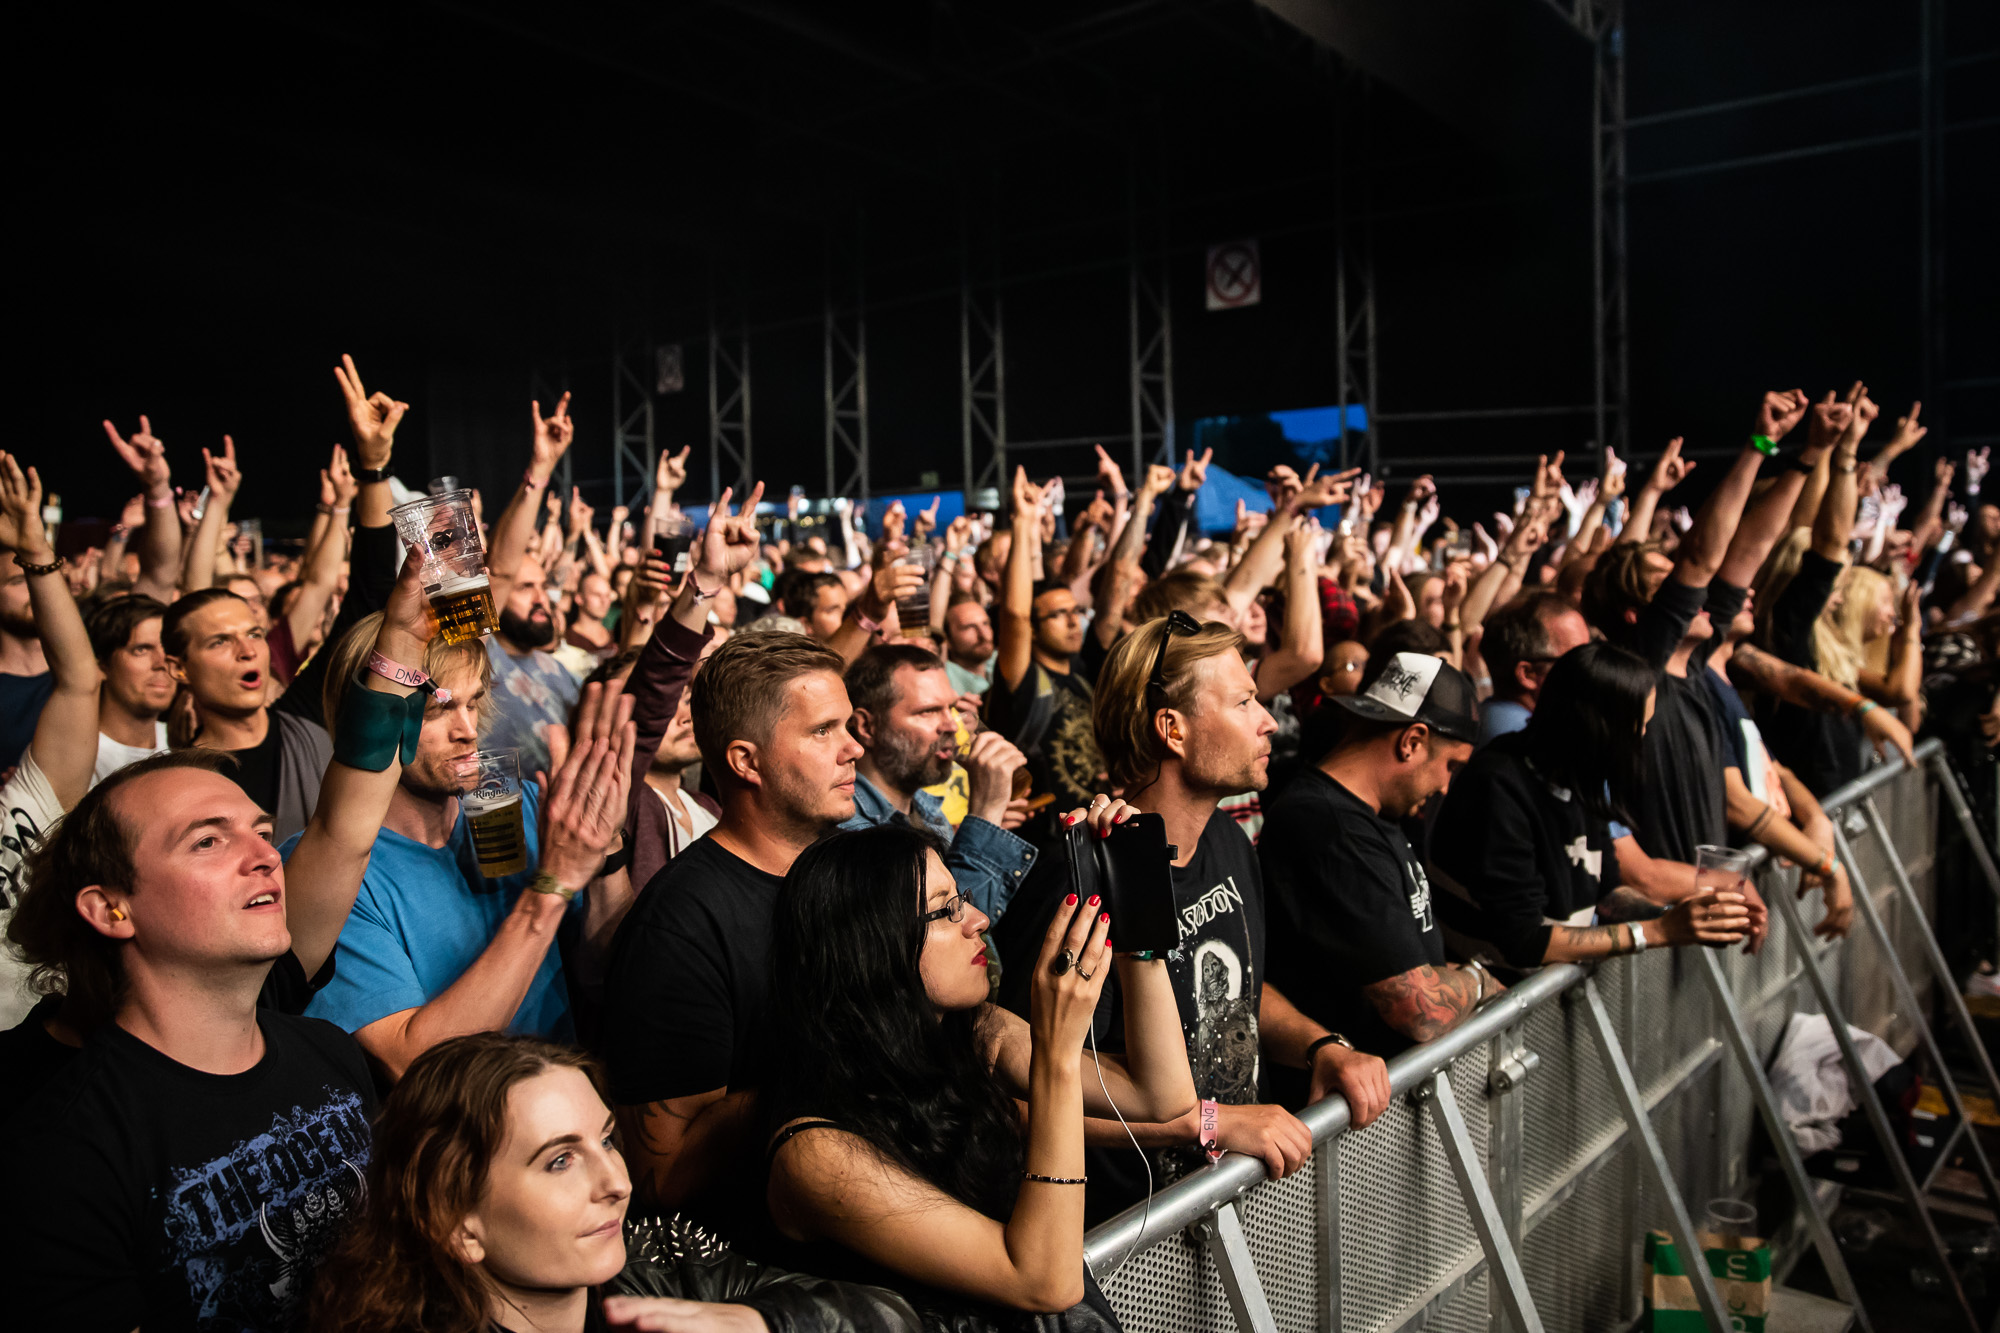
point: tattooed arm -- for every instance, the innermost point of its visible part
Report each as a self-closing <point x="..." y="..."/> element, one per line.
<point x="1714" y="919"/>
<point x="1426" y="1002"/>
<point x="675" y="1148"/>
<point x="1794" y="684"/>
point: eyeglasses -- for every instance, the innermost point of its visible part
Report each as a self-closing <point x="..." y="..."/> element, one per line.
<point x="953" y="910"/>
<point x="1067" y="613"/>
<point x="1178" y="622"/>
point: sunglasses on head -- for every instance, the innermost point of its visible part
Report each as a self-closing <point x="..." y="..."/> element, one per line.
<point x="1178" y="622"/>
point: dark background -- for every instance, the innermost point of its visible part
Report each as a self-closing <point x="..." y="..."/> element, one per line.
<point x="217" y="201"/>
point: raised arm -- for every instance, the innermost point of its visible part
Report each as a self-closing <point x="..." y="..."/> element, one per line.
<point x="325" y="869"/>
<point x="65" y="743"/>
<point x="1707" y="542"/>
<point x="1764" y="522"/>
<point x="319" y="575"/>
<point x="1013" y="628"/>
<point x="514" y="530"/>
<point x="1835" y="520"/>
<point x="373" y="418"/>
<point x="1300" y="647"/>
<point x="1908" y="434"/>
<point x="1668" y="472"/>
<point x="160" y="544"/>
<point x="223" y="481"/>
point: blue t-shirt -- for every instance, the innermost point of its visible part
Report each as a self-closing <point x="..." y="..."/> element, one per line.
<point x="424" y="915"/>
<point x="21" y="700"/>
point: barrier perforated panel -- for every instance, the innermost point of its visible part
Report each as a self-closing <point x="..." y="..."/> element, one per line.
<point x="1407" y="1256"/>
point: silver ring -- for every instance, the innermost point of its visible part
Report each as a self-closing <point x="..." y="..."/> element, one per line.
<point x="1085" y="975"/>
<point x="1062" y="962"/>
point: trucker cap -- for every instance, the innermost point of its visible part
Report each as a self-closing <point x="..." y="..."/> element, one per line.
<point x="1416" y="687"/>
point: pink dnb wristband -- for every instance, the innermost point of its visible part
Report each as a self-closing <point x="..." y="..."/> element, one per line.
<point x="389" y="669"/>
<point x="1210" y="1117"/>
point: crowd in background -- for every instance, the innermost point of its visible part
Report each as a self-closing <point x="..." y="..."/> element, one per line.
<point x="792" y="1017"/>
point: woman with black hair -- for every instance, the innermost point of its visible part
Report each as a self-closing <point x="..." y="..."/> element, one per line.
<point x="1523" y="841"/>
<point x="898" y="1152"/>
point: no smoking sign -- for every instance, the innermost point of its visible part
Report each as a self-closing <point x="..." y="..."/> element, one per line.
<point x="1235" y="276"/>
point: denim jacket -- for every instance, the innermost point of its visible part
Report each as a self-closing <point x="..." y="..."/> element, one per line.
<point x="988" y="862"/>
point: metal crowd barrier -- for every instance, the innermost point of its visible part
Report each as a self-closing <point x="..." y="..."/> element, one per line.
<point x="1525" y="1153"/>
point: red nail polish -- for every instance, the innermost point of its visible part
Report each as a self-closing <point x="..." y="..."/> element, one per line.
<point x="1104" y="916"/>
<point x="1094" y="900"/>
<point x="1107" y="943"/>
<point x="1070" y="901"/>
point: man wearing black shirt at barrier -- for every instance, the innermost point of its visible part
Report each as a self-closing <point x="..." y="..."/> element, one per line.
<point x="683" y="1002"/>
<point x="1356" y="938"/>
<point x="193" y="1163"/>
<point x="1178" y="718"/>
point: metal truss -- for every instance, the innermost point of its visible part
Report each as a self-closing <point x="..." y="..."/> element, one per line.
<point x="1151" y="323"/>
<point x="982" y="358"/>
<point x="1610" y="340"/>
<point x="634" y="451"/>
<point x="1354" y="285"/>
<point x="845" y="331"/>
<point x="729" y="451"/>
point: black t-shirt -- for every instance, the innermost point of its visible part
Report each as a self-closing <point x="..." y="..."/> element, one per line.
<point x="684" y="1000"/>
<point x="1824" y="749"/>
<point x="256" y="770"/>
<point x="1518" y="852"/>
<point x="1350" y="906"/>
<point x="1218" y="980"/>
<point x="30" y="1057"/>
<point x="1048" y="716"/>
<point x="21" y="700"/>
<point x="1682" y="801"/>
<point x="161" y="1197"/>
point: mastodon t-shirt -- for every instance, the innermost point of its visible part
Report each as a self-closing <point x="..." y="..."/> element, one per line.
<point x="1218" y="980"/>
<point x="145" y="1194"/>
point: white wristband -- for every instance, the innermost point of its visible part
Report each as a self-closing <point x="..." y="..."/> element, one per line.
<point x="1638" y="937"/>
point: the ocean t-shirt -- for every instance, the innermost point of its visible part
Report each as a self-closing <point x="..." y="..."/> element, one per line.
<point x="160" y="1197"/>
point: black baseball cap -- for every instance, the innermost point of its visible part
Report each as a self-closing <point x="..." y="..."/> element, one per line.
<point x="1416" y="687"/>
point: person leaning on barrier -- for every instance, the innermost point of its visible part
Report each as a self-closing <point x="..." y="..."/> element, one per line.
<point x="906" y="718"/>
<point x="1524" y="839"/>
<point x="1354" y="928"/>
<point x="196" y="1159"/>
<point x="497" y="1198"/>
<point x="898" y="1151"/>
<point x="1178" y="719"/>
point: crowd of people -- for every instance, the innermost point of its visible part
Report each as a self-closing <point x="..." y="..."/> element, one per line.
<point x="788" y="1014"/>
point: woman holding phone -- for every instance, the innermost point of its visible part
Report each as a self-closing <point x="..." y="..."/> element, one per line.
<point x="898" y="1155"/>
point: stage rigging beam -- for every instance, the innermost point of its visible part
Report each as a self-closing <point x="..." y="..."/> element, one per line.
<point x="844" y="352"/>
<point x="729" y="445"/>
<point x="982" y="351"/>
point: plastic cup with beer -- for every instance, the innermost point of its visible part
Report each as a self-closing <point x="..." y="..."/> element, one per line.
<point x="455" y="578"/>
<point x="673" y="538"/>
<point x="1720" y="869"/>
<point x="493" y="807"/>
<point x="913" y="613"/>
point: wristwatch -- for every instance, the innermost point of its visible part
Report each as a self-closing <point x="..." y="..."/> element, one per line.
<point x="369" y="475"/>
<point x="1330" y="1039"/>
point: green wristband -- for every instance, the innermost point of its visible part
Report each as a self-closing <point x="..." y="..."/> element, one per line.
<point x="374" y="726"/>
<point x="1764" y="445"/>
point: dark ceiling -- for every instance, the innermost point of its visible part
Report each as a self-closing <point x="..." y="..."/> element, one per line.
<point x="220" y="200"/>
